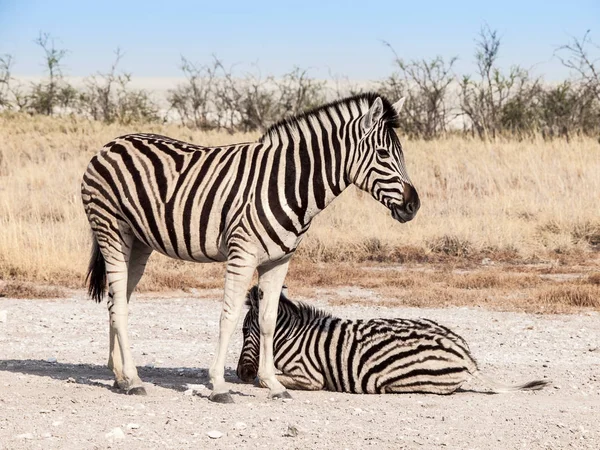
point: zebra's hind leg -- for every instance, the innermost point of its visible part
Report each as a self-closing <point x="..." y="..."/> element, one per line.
<point x="300" y="383"/>
<point x="135" y="269"/>
<point x="270" y="280"/>
<point x="237" y="279"/>
<point x="117" y="258"/>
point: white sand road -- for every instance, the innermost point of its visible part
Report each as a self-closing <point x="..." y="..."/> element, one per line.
<point x="55" y="388"/>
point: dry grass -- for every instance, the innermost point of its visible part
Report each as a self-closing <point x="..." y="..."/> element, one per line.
<point x="23" y="289"/>
<point x="511" y="202"/>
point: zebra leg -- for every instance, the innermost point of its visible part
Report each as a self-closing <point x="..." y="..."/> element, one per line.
<point x="137" y="263"/>
<point x="237" y="280"/>
<point x="299" y="384"/>
<point x="117" y="258"/>
<point x="270" y="280"/>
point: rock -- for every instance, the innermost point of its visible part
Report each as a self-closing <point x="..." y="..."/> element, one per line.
<point x="71" y="380"/>
<point x="240" y="426"/>
<point x="214" y="434"/>
<point x="132" y="426"/>
<point x="115" y="433"/>
<point x="51" y="360"/>
<point x="3" y="316"/>
<point x="292" y="431"/>
<point x="25" y="436"/>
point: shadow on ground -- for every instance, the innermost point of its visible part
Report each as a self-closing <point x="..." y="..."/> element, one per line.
<point x="173" y="378"/>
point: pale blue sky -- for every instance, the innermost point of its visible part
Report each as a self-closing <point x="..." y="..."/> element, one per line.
<point x="341" y="37"/>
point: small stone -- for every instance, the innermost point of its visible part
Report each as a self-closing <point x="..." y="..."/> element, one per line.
<point x="71" y="380"/>
<point x="25" y="436"/>
<point x="132" y="426"/>
<point x="51" y="360"/>
<point x="3" y="316"/>
<point x="292" y="431"/>
<point x="115" y="433"/>
<point x="214" y="434"/>
<point x="240" y="426"/>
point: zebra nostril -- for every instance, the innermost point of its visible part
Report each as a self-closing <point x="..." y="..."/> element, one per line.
<point x="410" y="208"/>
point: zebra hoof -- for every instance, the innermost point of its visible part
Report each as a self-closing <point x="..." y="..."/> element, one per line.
<point x="281" y="396"/>
<point x="139" y="390"/>
<point x="224" y="397"/>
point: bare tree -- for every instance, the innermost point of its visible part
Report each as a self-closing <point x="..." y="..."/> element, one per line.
<point x="483" y="101"/>
<point x="54" y="92"/>
<point x="109" y="97"/>
<point x="193" y="99"/>
<point x="6" y="62"/>
<point x="425" y="84"/>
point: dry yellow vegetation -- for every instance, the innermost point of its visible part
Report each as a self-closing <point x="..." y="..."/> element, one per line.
<point x="509" y="201"/>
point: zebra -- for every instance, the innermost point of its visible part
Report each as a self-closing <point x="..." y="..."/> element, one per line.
<point x="248" y="204"/>
<point x="315" y="350"/>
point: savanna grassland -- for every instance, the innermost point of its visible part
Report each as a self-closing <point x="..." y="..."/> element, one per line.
<point x="506" y="224"/>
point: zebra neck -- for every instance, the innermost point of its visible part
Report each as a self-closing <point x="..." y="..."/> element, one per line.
<point x="311" y="165"/>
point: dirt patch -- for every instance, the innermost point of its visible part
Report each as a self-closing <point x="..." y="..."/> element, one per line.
<point x="55" y="391"/>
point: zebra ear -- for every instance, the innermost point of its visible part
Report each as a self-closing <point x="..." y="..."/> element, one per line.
<point x="373" y="114"/>
<point x="398" y="105"/>
<point x="253" y="297"/>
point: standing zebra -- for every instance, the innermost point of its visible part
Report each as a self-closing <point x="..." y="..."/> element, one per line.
<point x="315" y="350"/>
<point x="248" y="204"/>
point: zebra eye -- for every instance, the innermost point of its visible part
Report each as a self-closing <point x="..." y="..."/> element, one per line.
<point x="383" y="152"/>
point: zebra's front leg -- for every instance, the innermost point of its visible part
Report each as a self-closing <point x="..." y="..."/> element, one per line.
<point x="237" y="279"/>
<point x="270" y="281"/>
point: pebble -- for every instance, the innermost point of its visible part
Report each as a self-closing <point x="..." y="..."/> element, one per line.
<point x="115" y="433"/>
<point x="240" y="426"/>
<point x="3" y="316"/>
<point x="214" y="434"/>
<point x="51" y="360"/>
<point x="25" y="436"/>
<point x="292" y="431"/>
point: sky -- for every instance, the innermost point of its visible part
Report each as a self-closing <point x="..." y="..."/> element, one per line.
<point x="326" y="37"/>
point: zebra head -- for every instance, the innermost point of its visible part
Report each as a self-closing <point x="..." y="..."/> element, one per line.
<point x="379" y="167"/>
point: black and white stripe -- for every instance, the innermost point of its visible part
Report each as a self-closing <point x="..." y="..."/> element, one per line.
<point x="315" y="350"/>
<point x="248" y="204"/>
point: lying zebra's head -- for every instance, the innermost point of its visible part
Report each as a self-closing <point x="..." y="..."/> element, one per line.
<point x="379" y="166"/>
<point x="291" y="317"/>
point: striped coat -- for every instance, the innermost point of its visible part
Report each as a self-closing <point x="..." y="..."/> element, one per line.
<point x="315" y="350"/>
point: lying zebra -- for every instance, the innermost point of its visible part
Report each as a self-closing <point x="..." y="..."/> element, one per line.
<point x="315" y="350"/>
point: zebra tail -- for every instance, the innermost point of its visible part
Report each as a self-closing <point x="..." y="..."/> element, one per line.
<point x="96" y="275"/>
<point x="503" y="388"/>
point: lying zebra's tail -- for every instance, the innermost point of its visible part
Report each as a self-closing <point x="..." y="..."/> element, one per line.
<point x="96" y="275"/>
<point x="502" y="388"/>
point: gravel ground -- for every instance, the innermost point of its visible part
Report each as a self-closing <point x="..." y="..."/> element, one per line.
<point x="55" y="388"/>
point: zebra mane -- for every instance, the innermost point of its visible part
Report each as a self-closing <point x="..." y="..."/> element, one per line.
<point x="303" y="311"/>
<point x="390" y="116"/>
